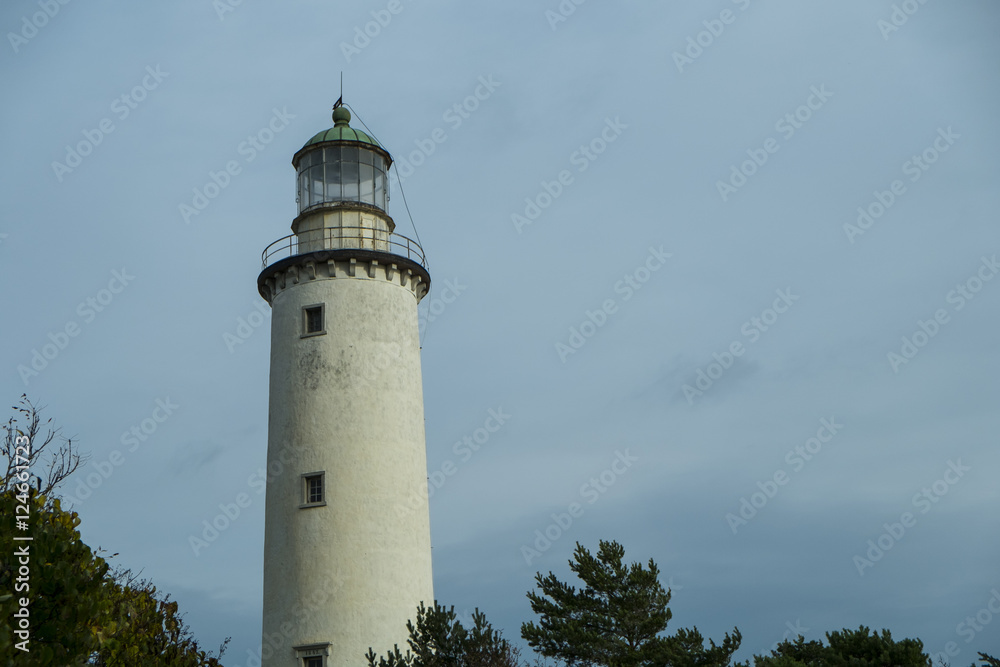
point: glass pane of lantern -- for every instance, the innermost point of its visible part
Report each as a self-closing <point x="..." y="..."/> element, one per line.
<point x="379" y="189"/>
<point x="333" y="180"/>
<point x="350" y="177"/>
<point x="367" y="184"/>
<point x="331" y="155"/>
<point x="316" y="184"/>
<point x="303" y="194"/>
<point x="365" y="155"/>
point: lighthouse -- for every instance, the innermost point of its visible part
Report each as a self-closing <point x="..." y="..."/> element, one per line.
<point x="347" y="553"/>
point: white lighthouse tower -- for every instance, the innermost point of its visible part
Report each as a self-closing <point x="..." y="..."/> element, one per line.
<point x="347" y="554"/>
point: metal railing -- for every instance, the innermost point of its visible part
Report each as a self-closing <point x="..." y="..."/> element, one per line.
<point x="337" y="238"/>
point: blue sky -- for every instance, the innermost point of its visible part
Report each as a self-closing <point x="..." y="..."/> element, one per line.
<point x="728" y="267"/>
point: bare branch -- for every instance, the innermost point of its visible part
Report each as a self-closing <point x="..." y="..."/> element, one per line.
<point x="26" y="426"/>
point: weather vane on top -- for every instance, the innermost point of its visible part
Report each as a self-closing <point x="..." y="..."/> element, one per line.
<point x="340" y="101"/>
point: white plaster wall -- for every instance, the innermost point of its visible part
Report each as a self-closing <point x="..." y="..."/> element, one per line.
<point x="349" y="403"/>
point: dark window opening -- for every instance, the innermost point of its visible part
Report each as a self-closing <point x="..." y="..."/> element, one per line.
<point x="314" y="319"/>
<point x="314" y="489"/>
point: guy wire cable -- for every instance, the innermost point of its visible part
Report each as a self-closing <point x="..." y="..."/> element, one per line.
<point x="399" y="180"/>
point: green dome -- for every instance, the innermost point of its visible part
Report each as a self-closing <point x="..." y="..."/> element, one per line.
<point x="341" y="131"/>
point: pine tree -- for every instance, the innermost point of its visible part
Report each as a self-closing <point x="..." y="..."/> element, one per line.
<point x="988" y="660"/>
<point x="617" y="619"/>
<point x="861" y="647"/>
<point x="438" y="639"/>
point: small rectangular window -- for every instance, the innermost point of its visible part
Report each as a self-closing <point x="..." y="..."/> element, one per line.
<point x="312" y="655"/>
<point x="313" y="489"/>
<point x="313" y="320"/>
<point x="315" y="492"/>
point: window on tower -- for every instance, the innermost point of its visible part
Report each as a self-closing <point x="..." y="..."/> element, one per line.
<point x="314" y="494"/>
<point x="313" y="323"/>
<point x="312" y="655"/>
<point x="313" y="489"/>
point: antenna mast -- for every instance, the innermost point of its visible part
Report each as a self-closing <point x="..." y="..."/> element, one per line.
<point x="340" y="102"/>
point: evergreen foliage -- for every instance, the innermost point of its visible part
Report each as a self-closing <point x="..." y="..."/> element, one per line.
<point x="617" y="619"/>
<point x="438" y="639"/>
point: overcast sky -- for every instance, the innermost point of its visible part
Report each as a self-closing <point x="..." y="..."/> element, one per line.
<point x="644" y="235"/>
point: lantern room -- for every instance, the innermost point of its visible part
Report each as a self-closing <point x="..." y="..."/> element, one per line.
<point x="342" y="192"/>
<point x="342" y="166"/>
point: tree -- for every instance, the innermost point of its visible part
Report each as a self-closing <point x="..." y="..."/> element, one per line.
<point x="617" y="619"/>
<point x="438" y="639"/>
<point x="25" y="450"/>
<point x="64" y="585"/>
<point x="76" y="610"/>
<point x="861" y="648"/>
<point x="145" y="630"/>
